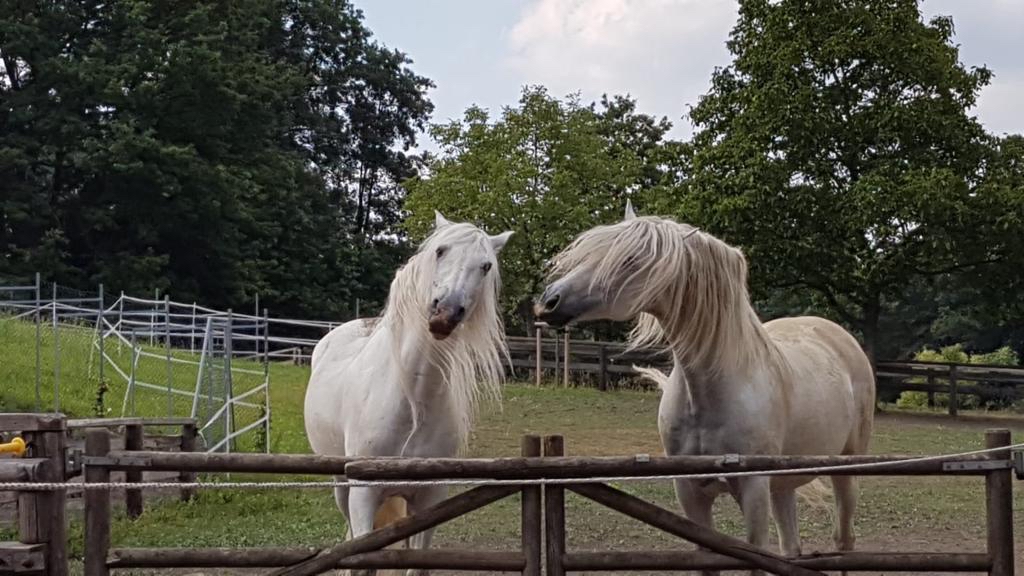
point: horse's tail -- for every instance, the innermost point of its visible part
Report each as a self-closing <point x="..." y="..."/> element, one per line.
<point x="391" y="510"/>
<point x="816" y="494"/>
<point x="654" y="375"/>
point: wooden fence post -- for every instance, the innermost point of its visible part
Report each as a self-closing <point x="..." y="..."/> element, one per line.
<point x="97" y="505"/>
<point x="41" y="518"/>
<point x="532" y="530"/>
<point x="558" y="359"/>
<point x="565" y="363"/>
<point x="554" y="512"/>
<point x="189" y="435"/>
<point x="540" y="353"/>
<point x="953" y="400"/>
<point x="931" y="392"/>
<point x="999" y="506"/>
<point x="133" y="496"/>
<point x="602" y="378"/>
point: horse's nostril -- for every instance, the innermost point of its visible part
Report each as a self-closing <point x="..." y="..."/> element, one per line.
<point x="433" y="305"/>
<point x="552" y="302"/>
<point x="460" y="313"/>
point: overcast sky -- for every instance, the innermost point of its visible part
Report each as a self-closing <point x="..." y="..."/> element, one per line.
<point x="661" y="52"/>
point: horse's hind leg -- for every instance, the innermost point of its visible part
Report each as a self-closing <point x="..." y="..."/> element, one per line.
<point x="845" y="488"/>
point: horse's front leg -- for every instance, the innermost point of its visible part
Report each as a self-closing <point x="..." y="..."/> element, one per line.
<point x="363" y="503"/>
<point x="753" y="494"/>
<point x="424" y="498"/>
<point x="697" y="503"/>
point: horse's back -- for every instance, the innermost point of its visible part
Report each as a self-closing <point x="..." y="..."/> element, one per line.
<point x="832" y="379"/>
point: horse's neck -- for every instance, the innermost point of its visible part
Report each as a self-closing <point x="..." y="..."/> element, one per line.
<point x="714" y="382"/>
<point x="423" y="379"/>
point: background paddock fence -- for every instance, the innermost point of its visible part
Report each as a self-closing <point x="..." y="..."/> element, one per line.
<point x="551" y="355"/>
<point x="125" y="356"/>
<point x="541" y="468"/>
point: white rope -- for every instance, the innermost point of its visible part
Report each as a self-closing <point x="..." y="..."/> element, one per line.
<point x="815" y="471"/>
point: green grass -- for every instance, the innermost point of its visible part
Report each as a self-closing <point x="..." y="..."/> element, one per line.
<point x="895" y="513"/>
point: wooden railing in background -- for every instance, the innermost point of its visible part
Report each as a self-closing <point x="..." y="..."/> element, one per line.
<point x="604" y="364"/>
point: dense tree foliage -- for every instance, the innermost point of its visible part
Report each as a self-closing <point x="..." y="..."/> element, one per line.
<point x="547" y="169"/>
<point x="219" y="149"/>
<point x="838" y="149"/>
<point x="211" y="149"/>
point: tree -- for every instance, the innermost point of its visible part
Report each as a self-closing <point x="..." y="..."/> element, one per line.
<point x="838" y="151"/>
<point x="210" y="149"/>
<point x="547" y="169"/>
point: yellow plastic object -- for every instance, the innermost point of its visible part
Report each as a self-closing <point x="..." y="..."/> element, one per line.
<point x="15" y="446"/>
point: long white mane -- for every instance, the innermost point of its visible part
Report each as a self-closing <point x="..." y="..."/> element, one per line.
<point x="699" y="281"/>
<point x="469" y="359"/>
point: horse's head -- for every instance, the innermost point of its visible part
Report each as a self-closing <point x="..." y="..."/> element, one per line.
<point x="606" y="272"/>
<point x="465" y="272"/>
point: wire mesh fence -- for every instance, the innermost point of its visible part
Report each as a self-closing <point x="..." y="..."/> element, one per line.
<point x="86" y="353"/>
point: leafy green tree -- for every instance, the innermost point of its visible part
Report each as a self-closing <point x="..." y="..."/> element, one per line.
<point x="210" y="149"/>
<point x="838" y="150"/>
<point x="547" y="169"/>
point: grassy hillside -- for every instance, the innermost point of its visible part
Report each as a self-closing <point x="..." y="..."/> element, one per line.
<point x="76" y="371"/>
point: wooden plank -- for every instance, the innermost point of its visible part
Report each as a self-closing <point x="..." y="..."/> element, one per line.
<point x="673" y="560"/>
<point x="22" y="469"/>
<point x="685" y="528"/>
<point x="51" y="505"/>
<point x="97" y="506"/>
<point x="954" y="402"/>
<point x="400" y="530"/>
<point x="531" y="530"/>
<point x="28" y="518"/>
<point x="161" y="442"/>
<point x="21" y="558"/>
<point x="554" y="512"/>
<point x="201" y="462"/>
<point x="999" y="507"/>
<point x="596" y="466"/>
<point x="434" y="559"/>
<point x="82" y="423"/>
<point x="133" y="440"/>
<point x="189" y="437"/>
<point x="27" y="422"/>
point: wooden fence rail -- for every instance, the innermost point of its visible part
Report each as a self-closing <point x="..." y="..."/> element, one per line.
<point x="601" y="364"/>
<point x="42" y="546"/>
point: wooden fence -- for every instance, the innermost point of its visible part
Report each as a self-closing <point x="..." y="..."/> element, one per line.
<point x="603" y="364"/>
<point x="541" y="469"/>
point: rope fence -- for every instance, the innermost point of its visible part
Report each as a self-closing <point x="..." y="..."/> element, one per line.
<point x="475" y="482"/>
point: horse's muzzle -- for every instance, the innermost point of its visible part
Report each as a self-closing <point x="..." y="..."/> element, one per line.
<point x="444" y="320"/>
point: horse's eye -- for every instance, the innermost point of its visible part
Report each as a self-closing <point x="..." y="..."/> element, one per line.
<point x="440" y="251"/>
<point x="486" y="267"/>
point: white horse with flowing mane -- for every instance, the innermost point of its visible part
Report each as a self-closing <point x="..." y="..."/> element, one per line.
<point x="799" y="385"/>
<point x="407" y="383"/>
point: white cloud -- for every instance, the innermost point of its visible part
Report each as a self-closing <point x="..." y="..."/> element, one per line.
<point x="661" y="52"/>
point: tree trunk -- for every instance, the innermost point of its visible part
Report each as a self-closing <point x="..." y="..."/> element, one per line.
<point x="869" y="327"/>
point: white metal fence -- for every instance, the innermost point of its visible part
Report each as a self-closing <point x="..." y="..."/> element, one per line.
<point x="130" y="356"/>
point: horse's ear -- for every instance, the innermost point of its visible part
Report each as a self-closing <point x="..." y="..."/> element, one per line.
<point x="630" y="214"/>
<point x="498" y="240"/>
<point x="439" y="220"/>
